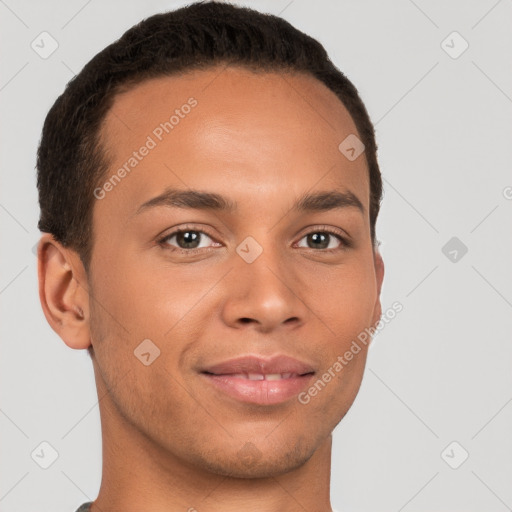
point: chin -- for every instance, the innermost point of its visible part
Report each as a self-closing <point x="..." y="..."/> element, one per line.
<point x="249" y="462"/>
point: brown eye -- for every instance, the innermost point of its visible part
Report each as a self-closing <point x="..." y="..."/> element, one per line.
<point x="318" y="240"/>
<point x="188" y="239"/>
<point x="323" y="240"/>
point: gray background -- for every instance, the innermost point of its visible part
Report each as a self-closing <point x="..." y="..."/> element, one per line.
<point x="439" y="372"/>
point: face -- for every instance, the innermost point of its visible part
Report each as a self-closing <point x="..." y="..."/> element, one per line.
<point x="253" y="271"/>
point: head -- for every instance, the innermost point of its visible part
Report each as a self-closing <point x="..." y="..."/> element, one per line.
<point x="240" y="105"/>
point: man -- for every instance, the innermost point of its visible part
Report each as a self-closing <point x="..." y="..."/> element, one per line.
<point x="209" y="190"/>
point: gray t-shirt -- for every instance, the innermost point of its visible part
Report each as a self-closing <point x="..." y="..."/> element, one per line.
<point x="85" y="507"/>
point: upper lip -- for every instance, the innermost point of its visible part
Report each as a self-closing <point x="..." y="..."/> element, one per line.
<point x="258" y="364"/>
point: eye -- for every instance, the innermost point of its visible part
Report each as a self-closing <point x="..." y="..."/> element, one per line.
<point x="326" y="239"/>
<point x="186" y="240"/>
<point x="189" y="240"/>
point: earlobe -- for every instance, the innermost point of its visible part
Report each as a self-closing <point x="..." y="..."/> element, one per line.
<point x="63" y="292"/>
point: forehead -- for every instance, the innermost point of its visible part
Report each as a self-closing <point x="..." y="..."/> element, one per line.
<point x="223" y="90"/>
<point x="230" y="125"/>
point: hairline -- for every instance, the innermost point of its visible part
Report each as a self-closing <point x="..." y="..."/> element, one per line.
<point x="101" y="147"/>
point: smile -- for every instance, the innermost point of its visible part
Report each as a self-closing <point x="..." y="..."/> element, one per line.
<point x="258" y="388"/>
<point x="261" y="376"/>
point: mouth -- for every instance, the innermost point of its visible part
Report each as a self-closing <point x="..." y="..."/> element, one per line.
<point x="258" y="376"/>
<point x="260" y="381"/>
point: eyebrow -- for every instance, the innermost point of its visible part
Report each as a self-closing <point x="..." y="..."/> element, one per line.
<point x="328" y="200"/>
<point x="200" y="200"/>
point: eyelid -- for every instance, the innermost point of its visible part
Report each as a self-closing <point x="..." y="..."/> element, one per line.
<point x="339" y="233"/>
<point x="321" y="228"/>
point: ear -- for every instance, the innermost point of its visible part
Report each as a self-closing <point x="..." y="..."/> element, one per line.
<point x="379" y="277"/>
<point x="63" y="292"/>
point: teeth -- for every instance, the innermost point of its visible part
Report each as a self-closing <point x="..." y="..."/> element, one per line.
<point x="260" y="376"/>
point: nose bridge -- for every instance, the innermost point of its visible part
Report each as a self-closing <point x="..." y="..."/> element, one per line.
<point x="262" y="262"/>
<point x="262" y="285"/>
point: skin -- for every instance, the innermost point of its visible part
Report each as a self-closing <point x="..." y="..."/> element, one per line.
<point x="170" y="442"/>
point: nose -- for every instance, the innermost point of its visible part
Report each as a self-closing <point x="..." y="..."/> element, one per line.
<point x="263" y="295"/>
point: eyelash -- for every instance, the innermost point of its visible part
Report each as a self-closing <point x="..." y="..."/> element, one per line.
<point x="320" y="229"/>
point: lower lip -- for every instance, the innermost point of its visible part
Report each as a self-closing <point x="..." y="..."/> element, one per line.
<point x="261" y="392"/>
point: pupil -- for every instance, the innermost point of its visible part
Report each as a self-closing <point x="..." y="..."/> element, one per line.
<point x="186" y="238"/>
<point x="190" y="239"/>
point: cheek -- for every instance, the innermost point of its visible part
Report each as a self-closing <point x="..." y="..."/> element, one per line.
<point x="344" y="301"/>
<point x="343" y="298"/>
<point x="136" y="299"/>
